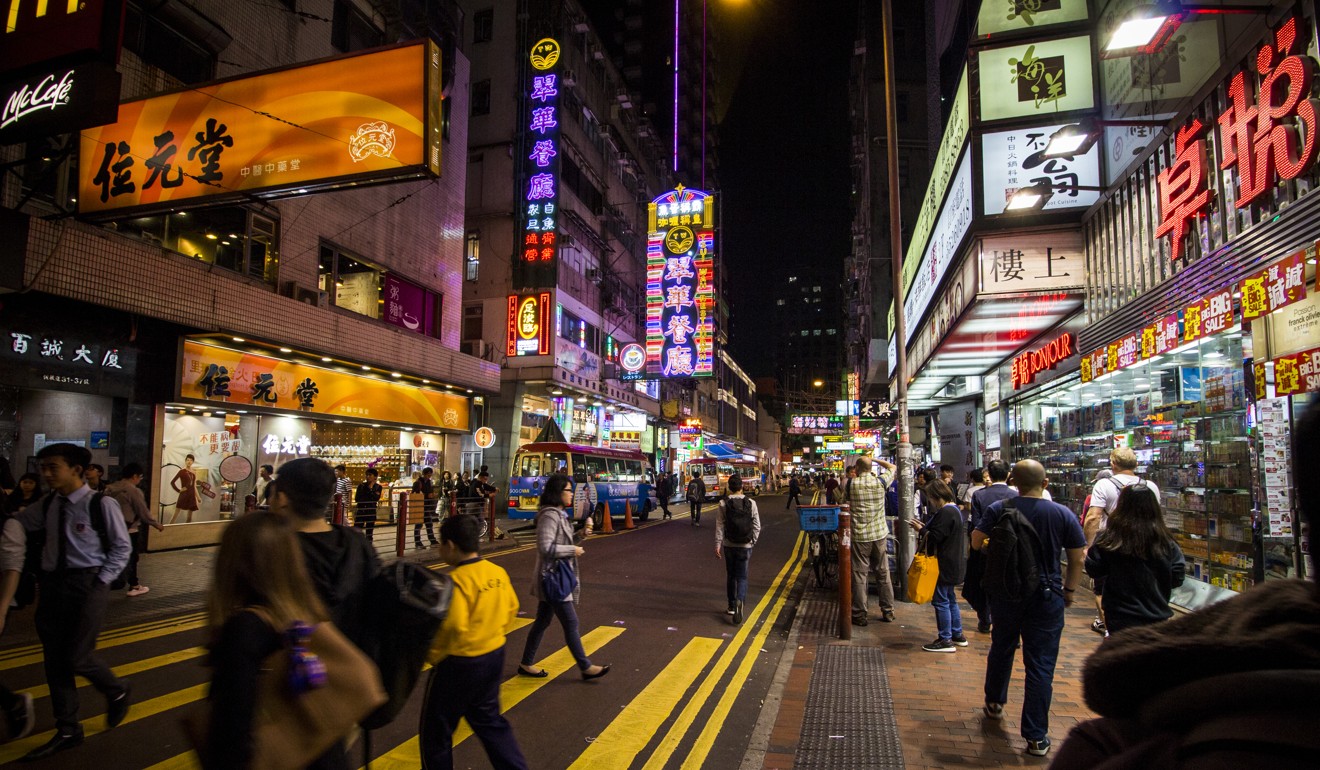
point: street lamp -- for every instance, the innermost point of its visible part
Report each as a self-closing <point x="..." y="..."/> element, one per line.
<point x="817" y="383"/>
<point x="1032" y="198"/>
<point x="1147" y="28"/>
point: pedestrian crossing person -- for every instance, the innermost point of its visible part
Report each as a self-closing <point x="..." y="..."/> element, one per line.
<point x="467" y="656"/>
<point x="737" y="528"/>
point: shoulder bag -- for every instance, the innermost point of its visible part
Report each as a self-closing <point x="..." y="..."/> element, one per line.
<point x="310" y="695"/>
<point x="557" y="577"/>
<point x="922" y="575"/>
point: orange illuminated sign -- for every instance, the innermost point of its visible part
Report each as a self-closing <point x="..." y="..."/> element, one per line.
<point x="372" y="117"/>
<point x="528" y="329"/>
<point x="211" y="373"/>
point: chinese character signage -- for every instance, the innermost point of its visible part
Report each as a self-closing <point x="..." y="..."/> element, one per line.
<point x="409" y="306"/>
<point x="1277" y="286"/>
<point x="536" y="263"/>
<point x="1184" y="194"/>
<point x="54" y="361"/>
<point x="680" y="285"/>
<point x="1027" y="365"/>
<point x="942" y="249"/>
<point x="1011" y="160"/>
<point x="1297" y="373"/>
<point x="1000" y="16"/>
<point x="1032" y="262"/>
<point x="369" y="117"/>
<point x="873" y="409"/>
<point x="216" y="374"/>
<point x="1039" y="78"/>
<point x="528" y="330"/>
<point x="801" y="424"/>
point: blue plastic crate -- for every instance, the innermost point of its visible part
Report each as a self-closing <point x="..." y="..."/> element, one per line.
<point x="818" y="518"/>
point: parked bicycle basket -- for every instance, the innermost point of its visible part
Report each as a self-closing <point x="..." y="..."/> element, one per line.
<point x="818" y="518"/>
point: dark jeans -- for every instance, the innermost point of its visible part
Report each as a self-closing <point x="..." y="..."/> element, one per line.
<point x="428" y="516"/>
<point x="664" y="506"/>
<point x="972" y="590"/>
<point x="1039" y="624"/>
<point x="568" y="620"/>
<point x="68" y="618"/>
<point x="139" y="541"/>
<point x="467" y="688"/>
<point x="694" y="506"/>
<point x="364" y="518"/>
<point x="793" y="498"/>
<point x="735" y="565"/>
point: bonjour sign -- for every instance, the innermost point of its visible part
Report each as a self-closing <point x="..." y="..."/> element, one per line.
<point x="1027" y="365"/>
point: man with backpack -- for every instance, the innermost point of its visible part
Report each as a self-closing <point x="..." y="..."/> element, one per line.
<point x="737" y="528"/>
<point x="83" y="547"/>
<point x="982" y="499"/>
<point x="1103" y="500"/>
<point x="696" y="495"/>
<point x="1028" y="592"/>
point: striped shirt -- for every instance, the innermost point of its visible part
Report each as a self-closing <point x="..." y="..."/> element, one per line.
<point x="866" y="499"/>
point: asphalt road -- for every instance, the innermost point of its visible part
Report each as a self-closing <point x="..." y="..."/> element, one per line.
<point x="685" y="690"/>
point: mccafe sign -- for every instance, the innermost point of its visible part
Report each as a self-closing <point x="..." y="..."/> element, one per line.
<point x="57" y="101"/>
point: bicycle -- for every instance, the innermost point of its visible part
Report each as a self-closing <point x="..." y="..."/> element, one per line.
<point x="824" y="549"/>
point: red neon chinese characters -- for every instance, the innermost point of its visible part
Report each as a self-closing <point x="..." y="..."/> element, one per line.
<point x="1027" y="365"/>
<point x="1261" y="138"/>
<point x="1183" y="192"/>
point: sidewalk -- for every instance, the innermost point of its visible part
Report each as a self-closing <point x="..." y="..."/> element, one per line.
<point x="179" y="580"/>
<point x="935" y="698"/>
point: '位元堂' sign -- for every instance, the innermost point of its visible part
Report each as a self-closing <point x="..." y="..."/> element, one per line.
<point x="1027" y="365"/>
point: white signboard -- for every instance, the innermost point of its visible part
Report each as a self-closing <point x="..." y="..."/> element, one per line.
<point x="1048" y="261"/>
<point x="1039" y="78"/>
<point x="1000" y="16"/>
<point x="942" y="248"/>
<point x="1011" y="160"/>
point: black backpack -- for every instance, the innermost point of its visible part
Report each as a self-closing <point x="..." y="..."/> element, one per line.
<point x="738" y="520"/>
<point x="406" y="603"/>
<point x="1012" y="561"/>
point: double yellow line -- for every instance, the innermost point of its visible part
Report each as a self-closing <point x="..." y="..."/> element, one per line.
<point x="31" y="653"/>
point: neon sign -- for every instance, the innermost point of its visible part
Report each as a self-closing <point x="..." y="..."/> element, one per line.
<point x="528" y="329"/>
<point x="1027" y="365"/>
<point x="680" y="285"/>
<point x="538" y="246"/>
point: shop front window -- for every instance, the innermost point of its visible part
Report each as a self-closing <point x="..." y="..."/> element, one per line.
<point x="235" y="238"/>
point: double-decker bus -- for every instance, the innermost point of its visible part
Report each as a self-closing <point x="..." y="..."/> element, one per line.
<point x="619" y="477"/>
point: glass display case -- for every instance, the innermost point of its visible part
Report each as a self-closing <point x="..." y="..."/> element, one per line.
<point x="1187" y="416"/>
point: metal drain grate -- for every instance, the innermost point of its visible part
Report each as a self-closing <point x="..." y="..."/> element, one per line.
<point x="849" y="720"/>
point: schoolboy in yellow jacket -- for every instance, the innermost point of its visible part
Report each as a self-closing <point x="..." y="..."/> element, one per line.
<point x="468" y="655"/>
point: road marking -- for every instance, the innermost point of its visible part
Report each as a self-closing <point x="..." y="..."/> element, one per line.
<point x="136" y="667"/>
<point x="696" y="757"/>
<point x="166" y="629"/>
<point x="409" y="753"/>
<point x="669" y="744"/>
<point x="634" y="727"/>
<point x="96" y="725"/>
<point x="117" y="633"/>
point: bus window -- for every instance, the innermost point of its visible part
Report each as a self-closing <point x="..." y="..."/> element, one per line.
<point x="618" y="470"/>
<point x="589" y="468"/>
<point x="557" y="462"/>
<point x="634" y="470"/>
<point x="725" y="470"/>
<point x="530" y="465"/>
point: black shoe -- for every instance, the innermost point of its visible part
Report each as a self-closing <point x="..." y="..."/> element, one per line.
<point x="20" y="718"/>
<point x="733" y="608"/>
<point x="605" y="669"/>
<point x="859" y="620"/>
<point x="117" y="708"/>
<point x="939" y="645"/>
<point x="960" y="640"/>
<point x="1038" y="748"/>
<point x="887" y="616"/>
<point x="738" y="614"/>
<point x="982" y="628"/>
<point x="419" y="545"/>
<point x="542" y="674"/>
<point x="53" y="746"/>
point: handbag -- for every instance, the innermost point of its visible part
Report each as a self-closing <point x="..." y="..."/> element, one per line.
<point x="922" y="575"/>
<point x="558" y="581"/>
<point x="310" y="695"/>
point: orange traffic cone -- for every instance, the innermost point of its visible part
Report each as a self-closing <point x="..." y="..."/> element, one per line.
<point x="627" y="515"/>
<point x="608" y="527"/>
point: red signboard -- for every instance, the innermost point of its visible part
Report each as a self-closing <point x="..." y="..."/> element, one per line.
<point x="1297" y="373"/>
<point x="1128" y="350"/>
<point x="1166" y="334"/>
<point x="528" y="332"/>
<point x="1209" y="315"/>
<point x="1027" y="365"/>
<point x="1184" y="194"/>
<point x="1278" y="285"/>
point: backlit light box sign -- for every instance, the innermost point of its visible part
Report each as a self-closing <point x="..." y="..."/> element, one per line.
<point x="1043" y="77"/>
<point x="372" y="117"/>
<point x="680" y="285"/>
<point x="1011" y="160"/>
<point x="814" y="424"/>
<point x="537" y="252"/>
<point x="1008" y="16"/>
<point x="528" y="330"/>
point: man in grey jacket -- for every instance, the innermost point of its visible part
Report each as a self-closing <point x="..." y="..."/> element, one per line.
<point x="137" y="517"/>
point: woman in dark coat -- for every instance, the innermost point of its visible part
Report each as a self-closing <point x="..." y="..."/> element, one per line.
<point x="945" y="537"/>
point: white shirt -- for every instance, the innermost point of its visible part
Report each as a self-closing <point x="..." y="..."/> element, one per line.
<point x="1105" y="492"/>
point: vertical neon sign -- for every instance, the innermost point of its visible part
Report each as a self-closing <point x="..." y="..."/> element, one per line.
<point x="680" y="285"/>
<point x="538" y="249"/>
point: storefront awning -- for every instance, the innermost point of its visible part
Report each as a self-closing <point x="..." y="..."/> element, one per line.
<point x="722" y="452"/>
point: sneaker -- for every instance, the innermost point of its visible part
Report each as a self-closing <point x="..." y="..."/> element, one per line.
<point x="738" y="614"/>
<point x="733" y="607"/>
<point x="1038" y="748"/>
<point x="1097" y="626"/>
<point x="993" y="710"/>
<point x="20" y="717"/>
<point x="887" y="616"/>
<point x="939" y="645"/>
<point x="859" y="620"/>
<point x="137" y="591"/>
<point x="960" y="640"/>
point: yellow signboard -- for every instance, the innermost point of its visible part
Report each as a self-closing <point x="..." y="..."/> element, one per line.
<point x="371" y="117"/>
<point x="235" y="378"/>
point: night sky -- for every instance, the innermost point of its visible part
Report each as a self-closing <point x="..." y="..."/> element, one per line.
<point x="784" y="157"/>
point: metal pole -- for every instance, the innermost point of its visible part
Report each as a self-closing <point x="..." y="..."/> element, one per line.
<point x="899" y="386"/>
<point x="401" y="528"/>
<point x="845" y="573"/>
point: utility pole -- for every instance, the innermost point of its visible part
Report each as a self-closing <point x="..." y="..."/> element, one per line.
<point x="898" y="387"/>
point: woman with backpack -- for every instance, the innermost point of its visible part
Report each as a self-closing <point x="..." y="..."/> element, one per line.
<point x="737" y="528"/>
<point x="555" y="543"/>
<point x="1138" y="560"/>
<point x="944" y="537"/>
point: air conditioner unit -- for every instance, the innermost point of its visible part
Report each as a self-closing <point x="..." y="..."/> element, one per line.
<point x="474" y="348"/>
<point x="595" y="275"/>
<point x="314" y="297"/>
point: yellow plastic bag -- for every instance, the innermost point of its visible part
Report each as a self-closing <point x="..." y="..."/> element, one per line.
<point x="921" y="578"/>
